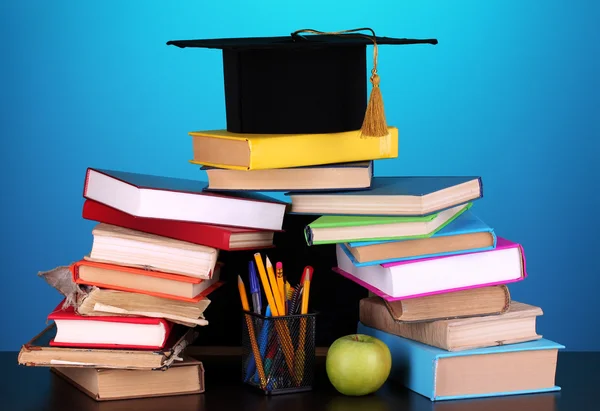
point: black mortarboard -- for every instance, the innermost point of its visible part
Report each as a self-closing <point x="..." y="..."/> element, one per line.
<point x="301" y="83"/>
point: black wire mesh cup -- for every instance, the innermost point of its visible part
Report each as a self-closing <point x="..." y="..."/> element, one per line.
<point x="278" y="353"/>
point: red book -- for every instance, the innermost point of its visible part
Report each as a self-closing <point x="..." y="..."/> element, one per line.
<point x="216" y="236"/>
<point x="74" y="330"/>
<point x="169" y="198"/>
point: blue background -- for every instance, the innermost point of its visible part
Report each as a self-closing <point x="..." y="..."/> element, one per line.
<point x="511" y="93"/>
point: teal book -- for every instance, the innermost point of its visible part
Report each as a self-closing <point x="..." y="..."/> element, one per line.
<point x="523" y="368"/>
<point x="401" y="196"/>
<point x="453" y="238"/>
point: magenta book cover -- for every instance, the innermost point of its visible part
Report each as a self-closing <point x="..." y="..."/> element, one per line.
<point x="502" y="244"/>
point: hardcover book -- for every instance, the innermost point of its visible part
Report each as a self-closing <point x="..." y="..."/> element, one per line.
<point x="464" y="234"/>
<point x="211" y="235"/>
<point x="392" y="196"/>
<point x="168" y="198"/>
<point x="243" y="151"/>
<point x="333" y="229"/>
<point x="517" y="324"/>
<point x="435" y="275"/>
<point x="523" y="368"/>
<point x="343" y="176"/>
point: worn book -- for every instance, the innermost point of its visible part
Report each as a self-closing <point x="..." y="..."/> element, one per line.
<point x="102" y="302"/>
<point x="243" y="151"/>
<point x="435" y="275"/>
<point x="170" y="198"/>
<point x="511" y="369"/>
<point x="334" y="229"/>
<point x="392" y="196"/>
<point x="211" y="235"/>
<point x="474" y="302"/>
<point x="183" y="377"/>
<point x="344" y="176"/>
<point x="517" y="324"/>
<point x="123" y="246"/>
<point x="39" y="353"/>
<point x="465" y="234"/>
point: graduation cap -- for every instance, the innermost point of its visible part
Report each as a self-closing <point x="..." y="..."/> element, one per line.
<point x="307" y="83"/>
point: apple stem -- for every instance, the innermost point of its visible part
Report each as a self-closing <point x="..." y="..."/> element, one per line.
<point x="355" y="337"/>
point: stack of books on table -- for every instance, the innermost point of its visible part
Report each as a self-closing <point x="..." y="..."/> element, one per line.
<point x="438" y="279"/>
<point x="137" y="300"/>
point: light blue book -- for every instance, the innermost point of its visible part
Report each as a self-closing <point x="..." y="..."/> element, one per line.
<point x="466" y="223"/>
<point x="441" y="375"/>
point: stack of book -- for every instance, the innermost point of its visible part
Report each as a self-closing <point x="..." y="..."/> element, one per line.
<point x="137" y="300"/>
<point x="438" y="281"/>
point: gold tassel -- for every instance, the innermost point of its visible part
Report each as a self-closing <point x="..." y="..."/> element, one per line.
<point x="374" y="123"/>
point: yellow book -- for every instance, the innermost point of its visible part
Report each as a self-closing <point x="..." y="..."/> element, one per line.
<point x="220" y="148"/>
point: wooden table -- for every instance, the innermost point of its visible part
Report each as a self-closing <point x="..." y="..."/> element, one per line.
<point x="32" y="388"/>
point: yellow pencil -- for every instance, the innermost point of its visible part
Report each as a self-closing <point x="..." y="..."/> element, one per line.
<point x="281" y="327"/>
<point x="275" y="288"/>
<point x="255" y="350"/>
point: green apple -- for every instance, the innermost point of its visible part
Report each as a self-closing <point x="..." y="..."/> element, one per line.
<point x="358" y="364"/>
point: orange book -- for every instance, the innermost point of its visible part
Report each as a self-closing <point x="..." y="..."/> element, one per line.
<point x="139" y="280"/>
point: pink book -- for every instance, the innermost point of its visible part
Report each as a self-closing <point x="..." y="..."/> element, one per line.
<point x="436" y="275"/>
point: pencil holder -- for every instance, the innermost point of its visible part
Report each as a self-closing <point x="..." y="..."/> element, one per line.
<point x="278" y="353"/>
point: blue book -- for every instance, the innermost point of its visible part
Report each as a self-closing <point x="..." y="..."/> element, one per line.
<point x="465" y="224"/>
<point x="523" y="368"/>
<point x="392" y="196"/>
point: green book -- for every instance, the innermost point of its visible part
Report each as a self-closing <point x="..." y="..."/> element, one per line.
<point x="333" y="229"/>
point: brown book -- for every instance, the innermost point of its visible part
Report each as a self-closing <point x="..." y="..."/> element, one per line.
<point x="457" y="304"/>
<point x="518" y="324"/>
<point x="100" y="302"/>
<point x="39" y="353"/>
<point x="185" y="377"/>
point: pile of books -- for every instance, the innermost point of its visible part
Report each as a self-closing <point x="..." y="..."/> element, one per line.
<point x="439" y="295"/>
<point x="137" y="300"/>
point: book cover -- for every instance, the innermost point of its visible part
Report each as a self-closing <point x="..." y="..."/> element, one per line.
<point x="414" y="364"/>
<point x="210" y="235"/>
<point x="169" y="198"/>
<point x="384" y="270"/>
<point x="255" y="152"/>
<point x="333" y="221"/>
<point x="74" y="268"/>
<point x="392" y="196"/>
<point x="466" y="223"/>
<point x="69" y="314"/>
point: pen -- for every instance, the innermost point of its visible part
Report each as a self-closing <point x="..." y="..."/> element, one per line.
<point x="254" y="288"/>
<point x="253" y="343"/>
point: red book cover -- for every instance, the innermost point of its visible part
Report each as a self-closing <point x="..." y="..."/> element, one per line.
<point x="69" y="314"/>
<point x="215" y="236"/>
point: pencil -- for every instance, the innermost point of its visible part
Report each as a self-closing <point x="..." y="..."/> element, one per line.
<point x="256" y="352"/>
<point x="281" y="327"/>
<point x="274" y="288"/>
<point x="300" y="356"/>
<point x="280" y="283"/>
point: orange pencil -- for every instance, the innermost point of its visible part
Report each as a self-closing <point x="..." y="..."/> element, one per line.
<point x="253" y="343"/>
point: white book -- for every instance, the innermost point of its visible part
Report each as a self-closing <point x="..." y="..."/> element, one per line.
<point x="415" y="278"/>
